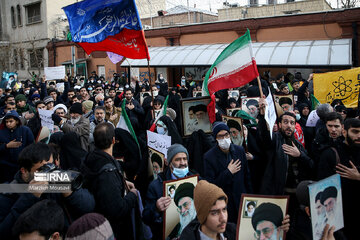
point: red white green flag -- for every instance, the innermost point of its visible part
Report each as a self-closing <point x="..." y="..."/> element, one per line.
<point x="234" y="67"/>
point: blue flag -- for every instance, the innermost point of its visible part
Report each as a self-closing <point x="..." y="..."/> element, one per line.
<point x="93" y="21"/>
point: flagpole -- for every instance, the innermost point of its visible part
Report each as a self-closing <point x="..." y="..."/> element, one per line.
<point x="260" y="87"/>
<point x="152" y="95"/>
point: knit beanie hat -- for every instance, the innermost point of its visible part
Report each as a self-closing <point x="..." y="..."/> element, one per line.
<point x="76" y="108"/>
<point x="88" y="105"/>
<point x="175" y="149"/>
<point x="267" y="212"/>
<point x="205" y="196"/>
<point x="48" y="99"/>
<point x="184" y="190"/>
<point x="35" y="96"/>
<point x="20" y="97"/>
<point x="90" y="226"/>
<point x="218" y="126"/>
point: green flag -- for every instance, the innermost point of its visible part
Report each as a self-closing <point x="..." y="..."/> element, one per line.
<point x="314" y="102"/>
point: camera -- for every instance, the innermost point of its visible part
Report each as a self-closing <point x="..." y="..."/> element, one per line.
<point x="76" y="179"/>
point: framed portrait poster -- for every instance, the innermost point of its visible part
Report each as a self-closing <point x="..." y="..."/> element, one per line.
<point x="197" y="93"/>
<point x="259" y="214"/>
<point x="156" y="162"/>
<point x="326" y="205"/>
<point x="194" y="115"/>
<point x="283" y="103"/>
<point x="234" y="121"/>
<point x="234" y="94"/>
<point x="181" y="210"/>
<point x="230" y="111"/>
<point x="143" y="95"/>
<point x="250" y="106"/>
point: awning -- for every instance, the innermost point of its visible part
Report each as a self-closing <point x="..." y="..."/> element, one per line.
<point x="285" y="54"/>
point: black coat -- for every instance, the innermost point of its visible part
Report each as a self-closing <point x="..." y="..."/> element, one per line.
<point x="350" y="188"/>
<point x="276" y="172"/>
<point x="108" y="187"/>
<point x="191" y="231"/>
<point x="216" y="171"/>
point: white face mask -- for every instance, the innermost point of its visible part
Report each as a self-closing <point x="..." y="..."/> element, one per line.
<point x="224" y="143"/>
<point x="74" y="120"/>
<point x="27" y="92"/>
<point x="297" y="116"/>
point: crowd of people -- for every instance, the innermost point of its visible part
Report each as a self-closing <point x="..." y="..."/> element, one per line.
<point x="119" y="199"/>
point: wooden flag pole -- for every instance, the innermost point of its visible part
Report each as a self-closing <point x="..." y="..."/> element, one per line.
<point x="151" y="84"/>
<point x="260" y="87"/>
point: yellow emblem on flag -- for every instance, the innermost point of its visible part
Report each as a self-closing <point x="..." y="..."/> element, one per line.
<point x="343" y="85"/>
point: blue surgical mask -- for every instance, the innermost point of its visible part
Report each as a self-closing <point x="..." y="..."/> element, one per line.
<point x="90" y="88"/>
<point x="180" y="172"/>
<point x="161" y="130"/>
<point x="297" y="116"/>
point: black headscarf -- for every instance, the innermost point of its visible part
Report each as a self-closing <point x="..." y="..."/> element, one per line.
<point x="172" y="130"/>
<point x="71" y="153"/>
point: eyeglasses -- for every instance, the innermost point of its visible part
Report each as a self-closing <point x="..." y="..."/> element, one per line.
<point x="264" y="231"/>
<point x="222" y="136"/>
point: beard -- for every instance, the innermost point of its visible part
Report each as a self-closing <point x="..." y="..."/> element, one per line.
<point x="185" y="220"/>
<point x="351" y="142"/>
<point x="238" y="140"/>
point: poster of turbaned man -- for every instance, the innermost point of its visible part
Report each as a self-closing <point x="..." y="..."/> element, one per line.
<point x="194" y="115"/>
<point x="326" y="205"/>
<point x="260" y="217"/>
<point x="182" y="209"/>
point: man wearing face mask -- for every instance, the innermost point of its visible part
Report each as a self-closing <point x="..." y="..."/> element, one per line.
<point x="226" y="166"/>
<point x="77" y="123"/>
<point x="155" y="203"/>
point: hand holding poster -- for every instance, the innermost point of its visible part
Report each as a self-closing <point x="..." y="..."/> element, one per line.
<point x="343" y="85"/>
<point x="312" y="119"/>
<point x="52" y="73"/>
<point x="326" y="205"/>
<point x="182" y="209"/>
<point x="158" y="142"/>
<point x="46" y="120"/>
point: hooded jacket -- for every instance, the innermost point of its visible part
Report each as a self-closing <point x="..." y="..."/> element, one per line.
<point x="108" y="186"/>
<point x="9" y="156"/>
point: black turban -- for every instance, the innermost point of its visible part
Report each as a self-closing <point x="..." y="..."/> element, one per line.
<point x="156" y="158"/>
<point x="285" y="100"/>
<point x="184" y="190"/>
<point x="233" y="124"/>
<point x="329" y="192"/>
<point x="267" y="212"/>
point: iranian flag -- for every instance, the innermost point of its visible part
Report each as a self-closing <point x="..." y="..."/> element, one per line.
<point x="234" y="67"/>
<point x="124" y="122"/>
<point x="162" y="113"/>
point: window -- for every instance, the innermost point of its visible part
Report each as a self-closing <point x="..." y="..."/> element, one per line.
<point x="15" y="57"/>
<point x="36" y="58"/>
<point x="101" y="70"/>
<point x="18" y="10"/>
<point x="33" y="13"/>
<point x="13" y="20"/>
<point x="21" y="56"/>
<point x="253" y="2"/>
<point x="271" y="2"/>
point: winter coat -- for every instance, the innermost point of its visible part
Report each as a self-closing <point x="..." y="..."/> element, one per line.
<point x="350" y="188"/>
<point x="151" y="216"/>
<point x="13" y="205"/>
<point x="216" y="171"/>
<point x="107" y="184"/>
<point x="191" y="231"/>
<point x="276" y="172"/>
<point x="9" y="156"/>
<point x="82" y="129"/>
